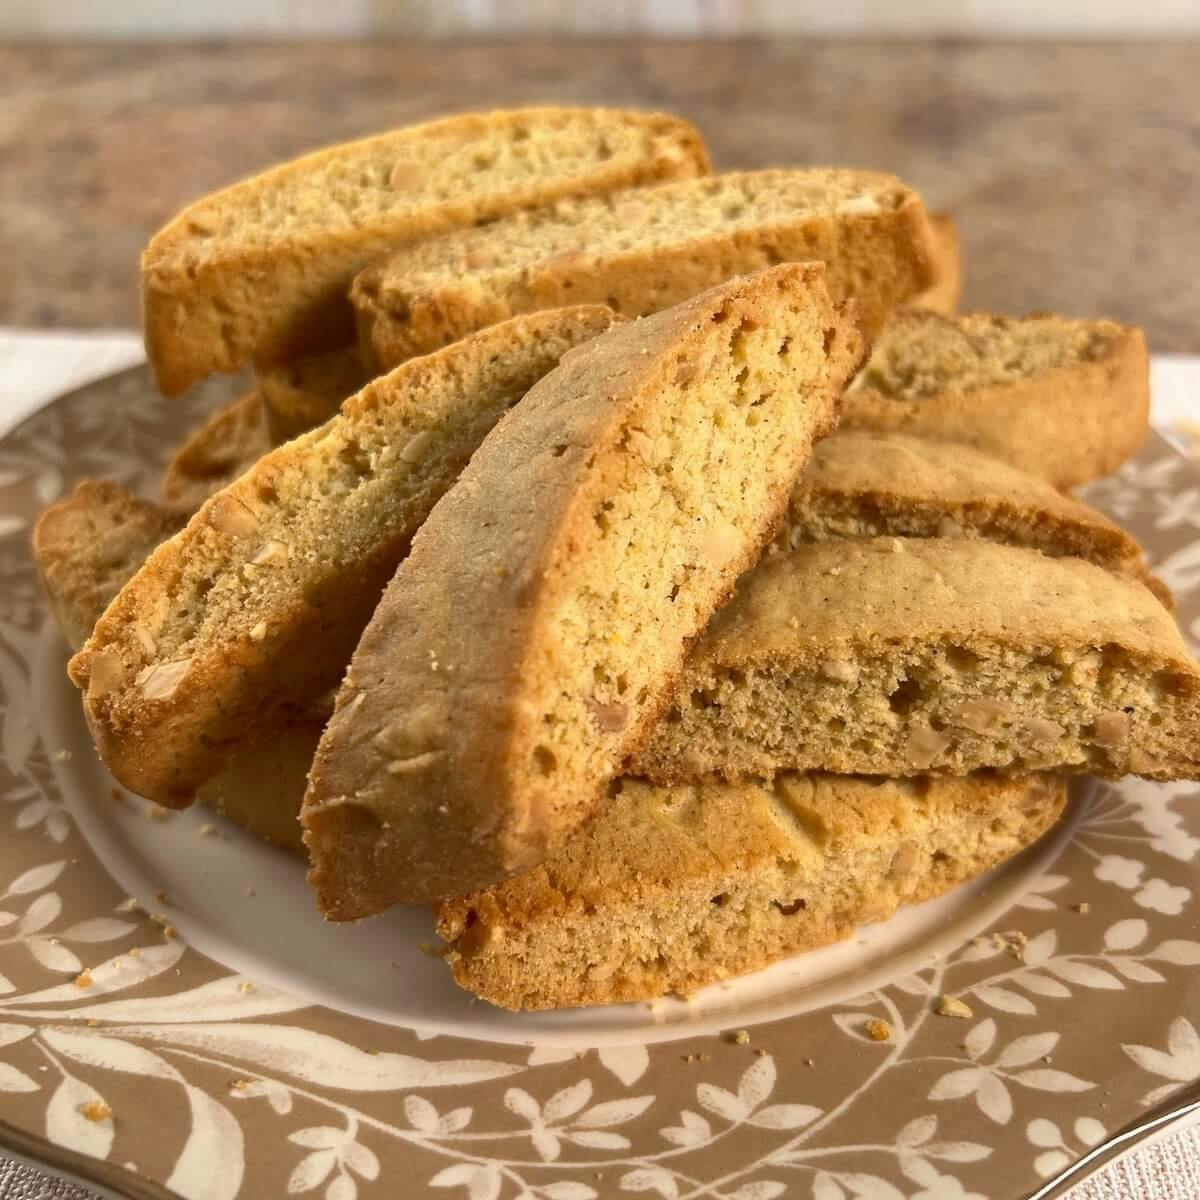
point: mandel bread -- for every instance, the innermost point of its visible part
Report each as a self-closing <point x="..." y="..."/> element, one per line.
<point x="255" y="607"/>
<point x="896" y="656"/>
<point x="258" y="272"/>
<point x="528" y="642"/>
<point x="863" y="485"/>
<point x="1067" y="400"/>
<point x="672" y="888"/>
<point x="642" y="252"/>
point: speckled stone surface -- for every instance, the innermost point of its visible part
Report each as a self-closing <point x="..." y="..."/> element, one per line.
<point x="1074" y="170"/>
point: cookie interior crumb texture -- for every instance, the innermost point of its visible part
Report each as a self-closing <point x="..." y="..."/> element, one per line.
<point x="589" y="540"/>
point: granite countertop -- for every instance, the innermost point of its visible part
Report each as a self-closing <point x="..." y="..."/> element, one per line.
<point x="1073" y="170"/>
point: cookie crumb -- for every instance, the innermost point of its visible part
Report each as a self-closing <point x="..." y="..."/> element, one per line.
<point x="95" y="1110"/>
<point x="761" y="1052"/>
<point x="161" y="896"/>
<point x="84" y="980"/>
<point x="92" y="1023"/>
<point x="156" y="812"/>
<point x="129" y="905"/>
<point x="169" y="932"/>
<point x="742" y="1037"/>
<point x="878" y="1030"/>
<point x="245" y="986"/>
<point x="952" y="1006"/>
<point x="1082" y="908"/>
<point x="64" y="755"/>
<point x="240" y="1085"/>
<point x="135" y="952"/>
<point x="117" y="795"/>
<point x="208" y="829"/>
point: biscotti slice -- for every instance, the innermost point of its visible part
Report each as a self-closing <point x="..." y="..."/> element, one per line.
<point x="256" y="606"/>
<point x="87" y="546"/>
<point x="644" y="252"/>
<point x="894" y="656"/>
<point x="300" y="395"/>
<point x="670" y="889"/>
<point x="943" y="294"/>
<point x="231" y="441"/>
<point x="862" y="485"/>
<point x="1067" y="400"/>
<point x="258" y="272"/>
<point x="531" y="637"/>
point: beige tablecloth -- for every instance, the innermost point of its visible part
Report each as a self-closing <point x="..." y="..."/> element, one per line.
<point x="34" y="368"/>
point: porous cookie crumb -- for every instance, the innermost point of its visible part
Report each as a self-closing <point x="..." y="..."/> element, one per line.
<point x="878" y="1030"/>
<point x="83" y="979"/>
<point x="95" y="1110"/>
<point x="951" y="1006"/>
<point x="741" y="1037"/>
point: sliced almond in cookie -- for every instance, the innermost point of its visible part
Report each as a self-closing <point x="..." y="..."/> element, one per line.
<point x="563" y="576"/>
<point x="669" y="889"/>
<point x="269" y="586"/>
<point x="968" y="654"/>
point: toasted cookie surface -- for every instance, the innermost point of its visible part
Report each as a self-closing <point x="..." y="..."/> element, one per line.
<point x="895" y="656"/>
<point x="258" y="272"/>
<point x="255" y="607"/>
<point x="670" y="889"/>
<point x="529" y="640"/>
<point x="643" y="252"/>
<point x="1067" y="400"/>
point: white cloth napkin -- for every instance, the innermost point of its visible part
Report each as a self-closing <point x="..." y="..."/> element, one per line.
<point x="36" y="367"/>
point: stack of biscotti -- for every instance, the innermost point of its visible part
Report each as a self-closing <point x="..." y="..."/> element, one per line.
<point x="640" y="674"/>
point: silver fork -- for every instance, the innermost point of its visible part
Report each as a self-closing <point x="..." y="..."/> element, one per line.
<point x="1174" y="1108"/>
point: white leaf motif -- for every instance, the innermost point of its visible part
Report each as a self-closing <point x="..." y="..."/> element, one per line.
<point x="825" y="1187"/>
<point x="36" y="878"/>
<point x="613" y="1112"/>
<point x="956" y="1084"/>
<point x="917" y="1132"/>
<point x="12" y="1080"/>
<point x="963" y="1152"/>
<point x="568" y="1102"/>
<point x="1046" y="1080"/>
<point x="311" y="1171"/>
<point x="219" y="1000"/>
<point x="757" y="1082"/>
<point x="54" y="956"/>
<point x="993" y="1099"/>
<point x="420" y="1113"/>
<point x="319" y="1137"/>
<point x="98" y="929"/>
<point x="1043" y="1133"/>
<point x="11" y="1034"/>
<point x="319" y="1058"/>
<point x="1039" y="948"/>
<point x="361" y="1160"/>
<point x="540" y="1056"/>
<point x="1024" y="1050"/>
<point x="598" y="1139"/>
<point x="627" y="1063"/>
<point x="719" y="1102"/>
<point x="1135" y="971"/>
<point x="568" y="1189"/>
<point x="785" y="1116"/>
<point x="115" y="975"/>
<point x="650" y="1179"/>
<point x="521" y="1104"/>
<point x="42" y="912"/>
<point x="67" y="1126"/>
<point x="1124" y="935"/>
<point x="341" y="1187"/>
<point x="760" y="1189"/>
<point x="871" y="1187"/>
<point x="211" y="1164"/>
<point x="980" y="1038"/>
<point x="1004" y="1000"/>
<point x="1181" y="953"/>
<point x="1043" y="985"/>
<point x="1083" y="974"/>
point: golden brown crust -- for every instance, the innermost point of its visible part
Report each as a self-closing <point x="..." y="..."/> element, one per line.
<point x="302" y="394"/>
<point x="87" y="546"/>
<point x="231" y="441"/>
<point x="256" y="606"/>
<point x="896" y="656"/>
<point x="258" y="272"/>
<point x="670" y="889"/>
<point x="1070" y="421"/>
<point x="943" y="294"/>
<point x="642" y="253"/>
<point x="861" y="484"/>
<point x="589" y="539"/>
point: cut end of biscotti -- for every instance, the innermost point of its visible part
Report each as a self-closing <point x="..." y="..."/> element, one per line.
<point x="1063" y="399"/>
<point x="864" y="485"/>
<point x="256" y="606"/>
<point x="671" y="889"/>
<point x="588" y="542"/>
<point x="258" y="272"/>
<point x="88" y="546"/>
<point x="642" y="252"/>
<point x="900" y="656"/>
